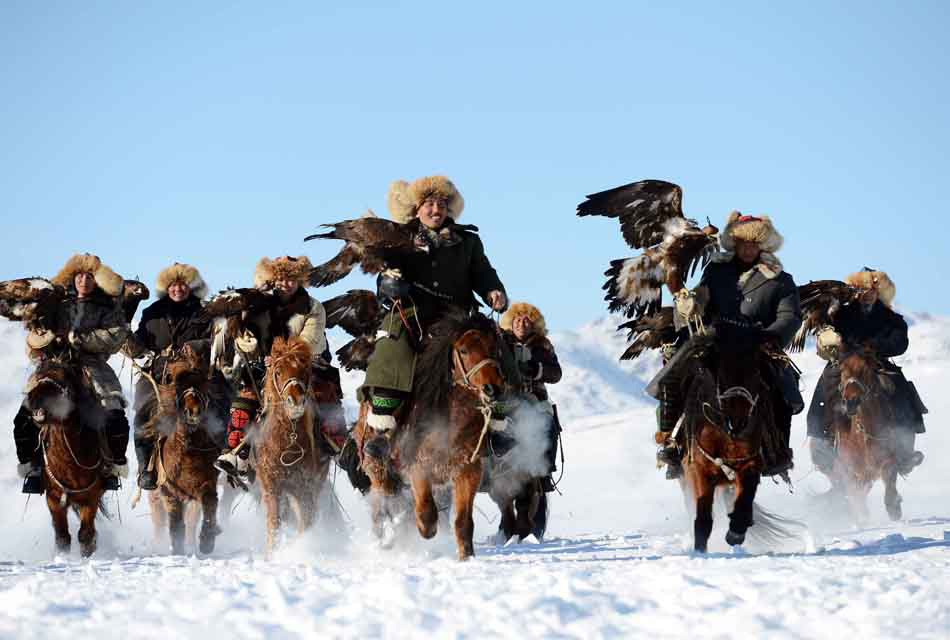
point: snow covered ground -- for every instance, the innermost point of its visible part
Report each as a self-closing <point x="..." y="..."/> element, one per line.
<point x="614" y="564"/>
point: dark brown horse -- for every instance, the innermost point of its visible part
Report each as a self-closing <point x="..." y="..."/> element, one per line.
<point x="864" y="435"/>
<point x="443" y="434"/>
<point x="186" y="452"/>
<point x="728" y="421"/>
<point x="71" y="450"/>
<point x="291" y="465"/>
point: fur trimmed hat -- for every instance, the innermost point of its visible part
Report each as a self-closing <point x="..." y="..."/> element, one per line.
<point x="751" y="229"/>
<point x="877" y="280"/>
<point x="179" y="272"/>
<point x="282" y="268"/>
<point x="110" y="282"/>
<point x="404" y="198"/>
<point x="524" y="309"/>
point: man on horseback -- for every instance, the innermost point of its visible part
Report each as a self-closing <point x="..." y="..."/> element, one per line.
<point x="525" y="333"/>
<point x="751" y="303"/>
<point x="869" y="324"/>
<point x="166" y="326"/>
<point x="421" y="287"/>
<point x="88" y="328"/>
<point x="292" y="313"/>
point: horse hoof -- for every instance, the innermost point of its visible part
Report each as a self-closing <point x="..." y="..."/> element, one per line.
<point x="87" y="550"/>
<point x="63" y="544"/>
<point x="734" y="538"/>
<point x="206" y="546"/>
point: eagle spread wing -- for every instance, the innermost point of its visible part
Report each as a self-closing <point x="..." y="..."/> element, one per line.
<point x="820" y="300"/>
<point x="133" y="293"/>
<point x="648" y="332"/>
<point x="359" y="313"/>
<point x="232" y="302"/>
<point x="31" y="300"/>
<point x="651" y="218"/>
<point x="370" y="242"/>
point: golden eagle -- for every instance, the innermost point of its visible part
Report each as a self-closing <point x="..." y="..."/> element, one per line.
<point x="821" y="300"/>
<point x="35" y="301"/>
<point x="359" y="313"/>
<point x="370" y="241"/>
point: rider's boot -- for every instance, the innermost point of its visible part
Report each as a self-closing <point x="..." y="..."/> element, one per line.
<point x="907" y="458"/>
<point x="26" y="436"/>
<point x="781" y="461"/>
<point x="32" y="474"/>
<point x="668" y="414"/>
<point x="117" y="439"/>
<point x="822" y="453"/>
<point x="147" y="478"/>
<point x="349" y="460"/>
<point x="383" y="405"/>
<point x="234" y="462"/>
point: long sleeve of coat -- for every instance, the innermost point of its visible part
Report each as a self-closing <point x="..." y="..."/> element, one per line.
<point x="550" y="367"/>
<point x="788" y="315"/>
<point x="483" y="275"/>
<point x="109" y="338"/>
<point x="892" y="340"/>
<point x="314" y="329"/>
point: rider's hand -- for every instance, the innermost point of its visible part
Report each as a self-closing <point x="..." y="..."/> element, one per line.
<point x="267" y="361"/>
<point x="498" y="300"/>
<point x="829" y="343"/>
<point x="74" y="338"/>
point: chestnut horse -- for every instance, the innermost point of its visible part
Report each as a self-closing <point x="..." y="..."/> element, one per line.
<point x="185" y="457"/>
<point x="72" y="451"/>
<point x="863" y="432"/>
<point x="728" y="420"/>
<point x="442" y="433"/>
<point x="291" y="466"/>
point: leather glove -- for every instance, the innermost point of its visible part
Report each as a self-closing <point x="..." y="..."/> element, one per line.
<point x="530" y="369"/>
<point x="829" y="343"/>
<point x="246" y="342"/>
<point x="688" y="307"/>
<point x="75" y="338"/>
<point x="40" y="338"/>
<point x="498" y="300"/>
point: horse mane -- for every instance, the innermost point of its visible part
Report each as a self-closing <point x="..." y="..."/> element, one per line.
<point x="434" y="368"/>
<point x="295" y="350"/>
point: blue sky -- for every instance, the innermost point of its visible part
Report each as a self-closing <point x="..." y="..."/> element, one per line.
<point x="218" y="133"/>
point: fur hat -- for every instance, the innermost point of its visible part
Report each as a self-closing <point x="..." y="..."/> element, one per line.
<point x="284" y="267"/>
<point x="751" y="229"/>
<point x="179" y="272"/>
<point x="524" y="309"/>
<point x="405" y="198"/>
<point x="878" y="280"/>
<point x="107" y="280"/>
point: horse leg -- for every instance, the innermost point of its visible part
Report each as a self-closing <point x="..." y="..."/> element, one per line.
<point x="465" y="487"/>
<point x="508" y="525"/>
<point x="703" y="491"/>
<point x="741" y="517"/>
<point x="60" y="523"/>
<point x="427" y="513"/>
<point x="526" y="506"/>
<point x="271" y="500"/>
<point x="159" y="515"/>
<point x="176" y="524"/>
<point x="892" y="499"/>
<point x="209" y="520"/>
<point x="87" y="528"/>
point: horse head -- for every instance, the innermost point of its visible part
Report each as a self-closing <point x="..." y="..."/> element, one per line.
<point x="53" y="392"/>
<point x="189" y="377"/>
<point x="859" y="380"/>
<point x="476" y="364"/>
<point x="288" y="376"/>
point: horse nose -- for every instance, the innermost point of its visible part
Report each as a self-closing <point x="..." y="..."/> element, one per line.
<point x="490" y="390"/>
<point x="851" y="406"/>
<point x="377" y="448"/>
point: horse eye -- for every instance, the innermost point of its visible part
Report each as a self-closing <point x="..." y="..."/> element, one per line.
<point x="463" y="351"/>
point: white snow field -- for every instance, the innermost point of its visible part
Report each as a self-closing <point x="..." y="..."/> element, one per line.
<point x="615" y="561"/>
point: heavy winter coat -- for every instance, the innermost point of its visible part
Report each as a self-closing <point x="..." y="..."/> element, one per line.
<point x="538" y="350"/>
<point x="447" y="276"/>
<point x="93" y="328"/>
<point x="168" y="324"/>
<point x="301" y="316"/>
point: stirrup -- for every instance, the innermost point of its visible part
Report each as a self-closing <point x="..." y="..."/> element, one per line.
<point x="33" y="484"/>
<point x="148" y="480"/>
<point x="668" y="455"/>
<point x="111" y="483"/>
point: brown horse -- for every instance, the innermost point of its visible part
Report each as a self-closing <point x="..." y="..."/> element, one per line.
<point x="521" y="500"/>
<point x="291" y="466"/>
<point x="864" y="435"/>
<point x="441" y="440"/>
<point x="728" y="421"/>
<point x="71" y="450"/>
<point x="185" y="453"/>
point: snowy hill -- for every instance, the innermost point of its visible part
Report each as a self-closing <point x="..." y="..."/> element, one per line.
<point x="613" y="564"/>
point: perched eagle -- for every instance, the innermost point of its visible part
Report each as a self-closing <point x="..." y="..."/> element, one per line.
<point x="359" y="313"/>
<point x="370" y="241"/>
<point x="233" y="302"/>
<point x="648" y="332"/>
<point x="821" y="300"/>
<point x="133" y="293"/>
<point x="33" y="301"/>
<point x="651" y="218"/>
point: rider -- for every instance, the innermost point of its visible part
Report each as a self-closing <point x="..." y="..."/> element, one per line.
<point x="871" y="324"/>
<point x="166" y="325"/>
<point x="751" y="301"/>
<point x="422" y="287"/>
<point x="524" y="331"/>
<point x="90" y="326"/>
<point x="293" y="314"/>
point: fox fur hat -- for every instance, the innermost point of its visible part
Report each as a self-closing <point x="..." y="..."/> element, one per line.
<point x="282" y="268"/>
<point x="877" y="280"/>
<point x="524" y="309"/>
<point x="110" y="282"/>
<point x="751" y="229"/>
<point x="404" y="198"/>
<point x="184" y="273"/>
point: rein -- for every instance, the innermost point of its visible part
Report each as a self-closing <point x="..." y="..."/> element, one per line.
<point x="294" y="452"/>
<point x="465" y="381"/>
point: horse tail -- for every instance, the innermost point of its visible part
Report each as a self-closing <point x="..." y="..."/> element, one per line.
<point x="771" y="531"/>
<point x="541" y="517"/>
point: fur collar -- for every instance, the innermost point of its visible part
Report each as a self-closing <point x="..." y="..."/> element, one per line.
<point x="768" y="265"/>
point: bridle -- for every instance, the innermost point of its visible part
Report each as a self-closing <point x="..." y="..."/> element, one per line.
<point x="294" y="453"/>
<point x="465" y="375"/>
<point x="192" y="392"/>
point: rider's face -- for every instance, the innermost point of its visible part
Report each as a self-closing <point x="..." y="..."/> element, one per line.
<point x="433" y="212"/>
<point x="869" y="296"/>
<point x="522" y="327"/>
<point x="85" y="283"/>
<point x="178" y="291"/>
<point x="748" y="252"/>
<point x="286" y="288"/>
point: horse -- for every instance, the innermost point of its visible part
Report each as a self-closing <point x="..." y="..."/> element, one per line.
<point x="291" y="466"/>
<point x="185" y="455"/>
<point x="72" y="451"/>
<point x="864" y="435"/>
<point x="440" y="439"/>
<point x="728" y="421"/>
